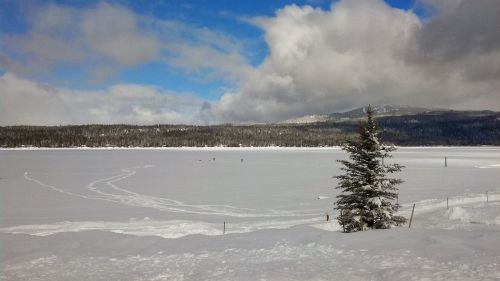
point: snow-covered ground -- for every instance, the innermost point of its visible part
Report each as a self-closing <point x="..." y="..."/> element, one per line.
<point x="159" y="214"/>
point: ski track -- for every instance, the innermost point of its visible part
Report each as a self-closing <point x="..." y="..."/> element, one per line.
<point x="130" y="198"/>
<point x="431" y="205"/>
<point x="179" y="228"/>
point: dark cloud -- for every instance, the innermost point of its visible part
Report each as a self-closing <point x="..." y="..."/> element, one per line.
<point x="473" y="27"/>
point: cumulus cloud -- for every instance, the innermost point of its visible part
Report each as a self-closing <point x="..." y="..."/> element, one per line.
<point x="363" y="51"/>
<point x="26" y="102"/>
<point x="101" y="36"/>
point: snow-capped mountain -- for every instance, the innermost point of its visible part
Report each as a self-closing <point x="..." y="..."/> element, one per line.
<point x="380" y="110"/>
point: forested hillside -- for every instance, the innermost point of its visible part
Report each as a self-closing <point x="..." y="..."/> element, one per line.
<point x="431" y="128"/>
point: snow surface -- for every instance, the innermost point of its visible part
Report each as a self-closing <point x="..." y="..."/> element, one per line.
<point x="307" y="119"/>
<point x="158" y="214"/>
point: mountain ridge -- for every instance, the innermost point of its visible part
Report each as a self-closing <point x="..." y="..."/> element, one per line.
<point x="379" y="111"/>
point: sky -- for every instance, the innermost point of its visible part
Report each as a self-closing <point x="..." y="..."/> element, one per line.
<point x="223" y="61"/>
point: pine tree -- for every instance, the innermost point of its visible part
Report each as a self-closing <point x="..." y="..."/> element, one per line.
<point x="368" y="195"/>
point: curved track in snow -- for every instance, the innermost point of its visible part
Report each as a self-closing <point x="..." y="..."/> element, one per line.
<point x="116" y="194"/>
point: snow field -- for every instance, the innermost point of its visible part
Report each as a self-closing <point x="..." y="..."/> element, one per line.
<point x="80" y="215"/>
<point x="299" y="253"/>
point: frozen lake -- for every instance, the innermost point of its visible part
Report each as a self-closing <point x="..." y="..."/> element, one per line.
<point x="171" y="193"/>
<point x="49" y="186"/>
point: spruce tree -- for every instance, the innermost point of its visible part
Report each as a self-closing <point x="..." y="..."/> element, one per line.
<point x="368" y="198"/>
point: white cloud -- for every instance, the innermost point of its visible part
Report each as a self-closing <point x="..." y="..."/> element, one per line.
<point x="202" y="52"/>
<point x="363" y="51"/>
<point x="52" y="39"/>
<point x="209" y="62"/>
<point x="25" y="102"/>
<point x="106" y="38"/>
<point x="103" y="40"/>
<point x="322" y="61"/>
<point x="103" y="36"/>
<point x="114" y="32"/>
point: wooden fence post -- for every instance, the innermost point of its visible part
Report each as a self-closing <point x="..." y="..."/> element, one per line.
<point x="342" y="220"/>
<point x="411" y="217"/>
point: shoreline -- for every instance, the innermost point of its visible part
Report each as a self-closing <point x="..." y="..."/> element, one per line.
<point x="222" y="148"/>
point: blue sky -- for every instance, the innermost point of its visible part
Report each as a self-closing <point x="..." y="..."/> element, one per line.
<point x="224" y="16"/>
<point x="225" y="61"/>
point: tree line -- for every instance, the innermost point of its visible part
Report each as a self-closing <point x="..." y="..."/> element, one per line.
<point x="169" y="136"/>
<point x="422" y="129"/>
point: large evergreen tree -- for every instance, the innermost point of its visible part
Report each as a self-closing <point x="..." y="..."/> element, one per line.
<point x="368" y="198"/>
